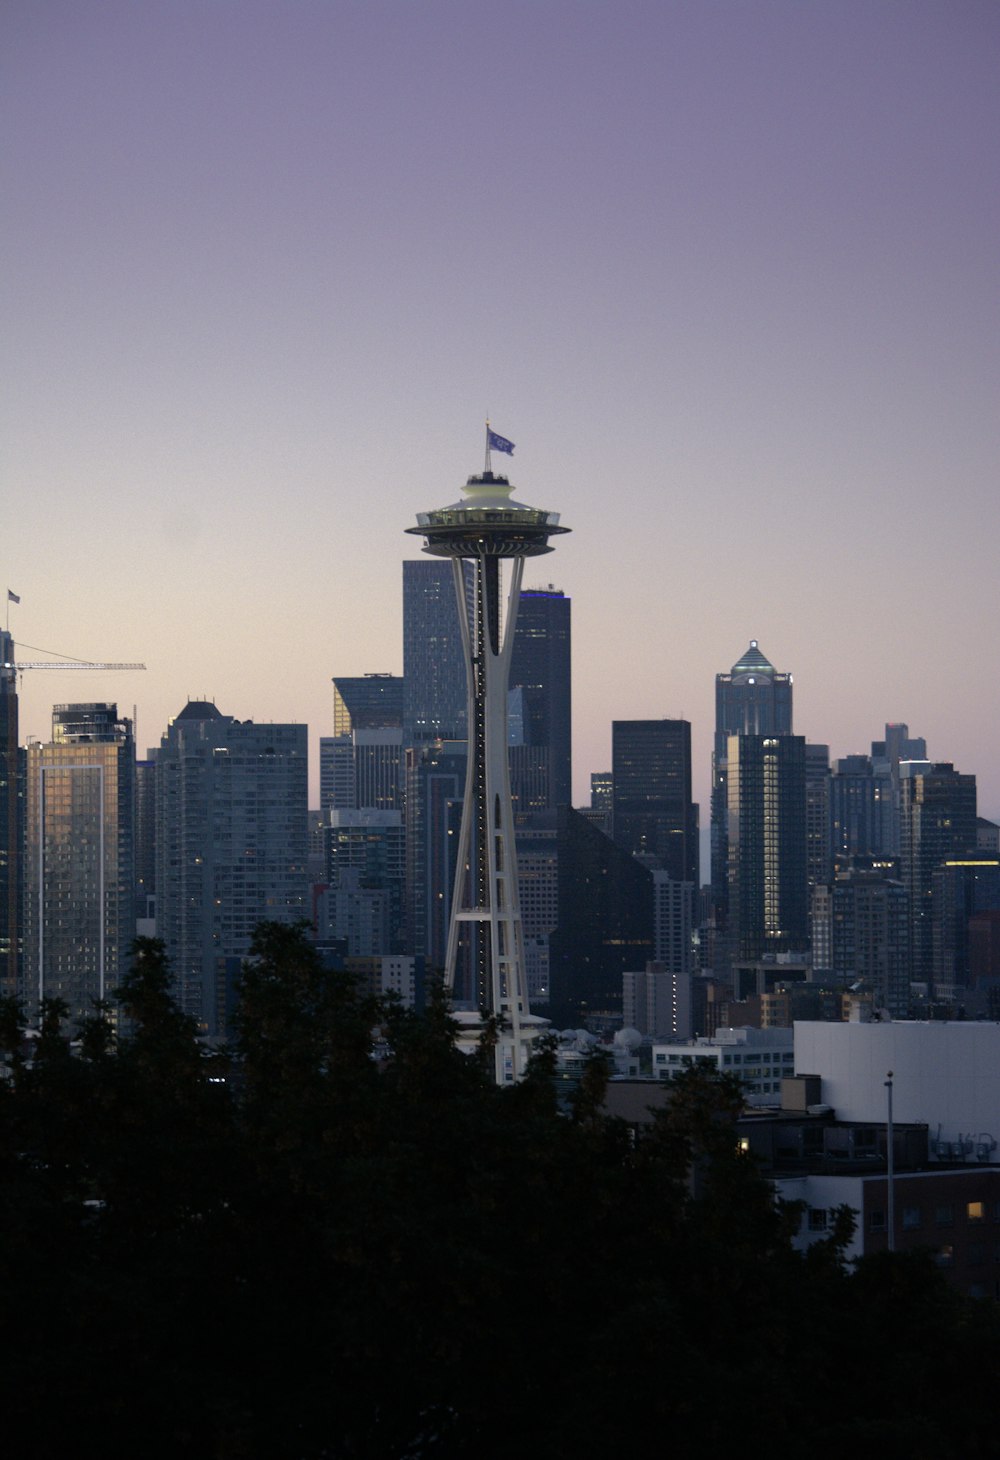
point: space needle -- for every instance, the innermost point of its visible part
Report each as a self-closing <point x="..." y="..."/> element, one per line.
<point x="483" y="529"/>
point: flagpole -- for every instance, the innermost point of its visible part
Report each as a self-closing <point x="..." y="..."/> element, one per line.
<point x="487" y="467"/>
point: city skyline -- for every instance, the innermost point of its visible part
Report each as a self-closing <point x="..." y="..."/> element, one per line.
<point x="726" y="275"/>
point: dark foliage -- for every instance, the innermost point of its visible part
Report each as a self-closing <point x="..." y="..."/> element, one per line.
<point x="300" y="1252"/>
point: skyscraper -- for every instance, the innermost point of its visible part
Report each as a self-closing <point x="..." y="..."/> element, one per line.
<point x="937" y="824"/>
<point x="752" y="699"/>
<point x="768" y="875"/>
<point x="888" y="756"/>
<point x="364" y="873"/>
<point x="435" y="782"/>
<point x="80" y="868"/>
<point x="870" y="937"/>
<point x="605" y="927"/>
<point x="434" y="687"/>
<point x="819" y="864"/>
<point x="368" y="702"/>
<point x="862" y="820"/>
<point x="364" y="768"/>
<point x="231" y="845"/>
<point x="540" y="667"/>
<point x="478" y="534"/>
<point x="652" y="811"/>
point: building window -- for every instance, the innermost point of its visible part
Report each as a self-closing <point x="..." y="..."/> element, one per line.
<point x="876" y="1220"/>
<point x="944" y="1215"/>
<point x="946" y="1256"/>
<point x="817" y="1219"/>
<point x="975" y="1211"/>
<point x="911" y="1218"/>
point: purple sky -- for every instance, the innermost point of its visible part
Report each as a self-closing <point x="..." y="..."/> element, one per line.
<point x="725" y="271"/>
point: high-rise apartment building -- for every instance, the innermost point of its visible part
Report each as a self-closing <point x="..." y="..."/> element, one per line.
<point x="541" y="670"/>
<point x="752" y="699"/>
<point x="434" y="680"/>
<point x="80" y="864"/>
<point x="870" y="937"/>
<point x="768" y="869"/>
<point x="231" y="846"/>
<point x="652" y="811"/>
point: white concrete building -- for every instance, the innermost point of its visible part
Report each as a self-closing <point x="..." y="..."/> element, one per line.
<point x="946" y="1075"/>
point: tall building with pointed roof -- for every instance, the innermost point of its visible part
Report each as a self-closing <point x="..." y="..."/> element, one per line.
<point x="754" y="698"/>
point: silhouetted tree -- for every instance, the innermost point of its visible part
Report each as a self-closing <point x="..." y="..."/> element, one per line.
<point x="302" y="1251"/>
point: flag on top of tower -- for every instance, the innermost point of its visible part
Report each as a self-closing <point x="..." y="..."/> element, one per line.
<point x="13" y="597"/>
<point x="498" y="443"/>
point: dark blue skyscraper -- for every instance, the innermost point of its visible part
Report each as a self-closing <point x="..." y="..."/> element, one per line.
<point x="541" y="670"/>
<point x="434" y="683"/>
<point x="652" y="811"/>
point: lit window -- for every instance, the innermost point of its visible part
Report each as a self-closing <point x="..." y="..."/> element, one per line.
<point x="975" y="1211"/>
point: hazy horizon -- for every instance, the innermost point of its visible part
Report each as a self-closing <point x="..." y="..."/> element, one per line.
<point x="725" y="274"/>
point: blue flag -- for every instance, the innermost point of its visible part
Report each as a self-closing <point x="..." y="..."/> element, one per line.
<point x="499" y="443"/>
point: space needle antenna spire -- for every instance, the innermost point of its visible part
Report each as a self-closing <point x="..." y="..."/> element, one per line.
<point x="484" y="529"/>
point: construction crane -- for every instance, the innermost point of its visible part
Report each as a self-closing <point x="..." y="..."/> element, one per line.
<point x="63" y="664"/>
<point x="10" y="666"/>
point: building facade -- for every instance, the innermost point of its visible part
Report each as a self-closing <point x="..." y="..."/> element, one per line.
<point x="766" y="840"/>
<point x="870" y="938"/>
<point x="434" y="682"/>
<point x="231" y="846"/>
<point x="937" y="824"/>
<point x="541" y="671"/>
<point x="80" y="863"/>
<point x="653" y="815"/>
<point x="752" y="699"/>
<point x="367" y="702"/>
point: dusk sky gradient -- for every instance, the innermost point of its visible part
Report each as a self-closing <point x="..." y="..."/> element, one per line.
<point x="725" y="271"/>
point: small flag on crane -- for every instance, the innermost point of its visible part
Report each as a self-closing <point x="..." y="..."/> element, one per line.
<point x="13" y="597"/>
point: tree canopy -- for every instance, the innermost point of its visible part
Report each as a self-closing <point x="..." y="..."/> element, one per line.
<point x="295" y="1249"/>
